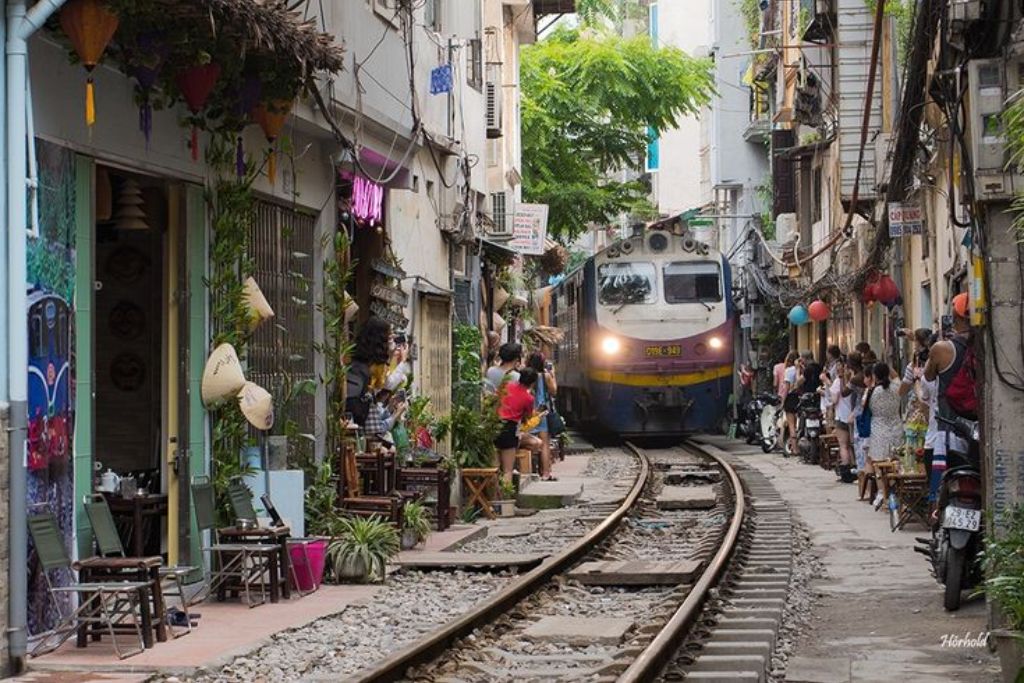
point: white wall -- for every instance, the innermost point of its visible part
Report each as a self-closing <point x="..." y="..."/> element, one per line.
<point x="677" y="182"/>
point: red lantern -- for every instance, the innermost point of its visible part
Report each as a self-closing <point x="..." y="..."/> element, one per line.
<point x="818" y="311"/>
<point x="886" y="290"/>
<point x="196" y="83"/>
<point x="271" y="117"/>
<point x="89" y="25"/>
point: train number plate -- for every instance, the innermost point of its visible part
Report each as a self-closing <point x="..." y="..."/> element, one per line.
<point x="962" y="518"/>
<point x="664" y="351"/>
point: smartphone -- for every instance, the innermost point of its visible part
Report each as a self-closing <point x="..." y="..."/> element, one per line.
<point x="400" y="339"/>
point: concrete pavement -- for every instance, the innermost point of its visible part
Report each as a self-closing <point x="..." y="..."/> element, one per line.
<point x="877" y="613"/>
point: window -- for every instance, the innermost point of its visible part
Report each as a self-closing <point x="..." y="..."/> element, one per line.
<point x="625" y="282"/>
<point x="692" y="282"/>
<point x="926" y="306"/>
<point x="499" y="212"/>
<point x="475" y="66"/>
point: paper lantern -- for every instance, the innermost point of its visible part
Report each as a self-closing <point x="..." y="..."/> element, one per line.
<point x="147" y="58"/>
<point x="246" y="97"/>
<point x="886" y="290"/>
<point x="259" y="307"/>
<point x="818" y="310"/>
<point x="869" y="295"/>
<point x="89" y="25"/>
<point x="257" y="405"/>
<point x="798" y="315"/>
<point x="271" y="117"/>
<point x="196" y="83"/>
<point x="130" y="214"/>
<point x="222" y="376"/>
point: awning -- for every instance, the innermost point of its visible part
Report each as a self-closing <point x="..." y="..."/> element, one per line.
<point x="496" y="250"/>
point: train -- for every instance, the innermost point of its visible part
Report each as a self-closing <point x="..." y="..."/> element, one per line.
<point x="647" y="346"/>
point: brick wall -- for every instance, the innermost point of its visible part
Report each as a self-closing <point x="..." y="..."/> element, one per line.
<point x="5" y="669"/>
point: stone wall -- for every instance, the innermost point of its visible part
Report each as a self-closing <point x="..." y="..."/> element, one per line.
<point x="5" y="668"/>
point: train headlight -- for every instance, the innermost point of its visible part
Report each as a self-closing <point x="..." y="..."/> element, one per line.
<point x="715" y="343"/>
<point x="611" y="345"/>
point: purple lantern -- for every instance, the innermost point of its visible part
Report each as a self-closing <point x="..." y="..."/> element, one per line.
<point x="147" y="59"/>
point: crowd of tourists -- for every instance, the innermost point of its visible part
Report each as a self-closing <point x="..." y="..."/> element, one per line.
<point x="878" y="412"/>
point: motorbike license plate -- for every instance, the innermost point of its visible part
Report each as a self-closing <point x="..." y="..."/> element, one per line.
<point x="665" y="351"/>
<point x="961" y="518"/>
<point x="814" y="423"/>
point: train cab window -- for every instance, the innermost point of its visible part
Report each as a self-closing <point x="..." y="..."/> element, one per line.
<point x="625" y="282"/>
<point x="36" y="339"/>
<point x="692" y="282"/>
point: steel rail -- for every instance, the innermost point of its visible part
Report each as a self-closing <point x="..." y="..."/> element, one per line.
<point x="431" y="646"/>
<point x="652" y="660"/>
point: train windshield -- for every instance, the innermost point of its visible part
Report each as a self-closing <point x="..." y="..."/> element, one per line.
<point x="692" y="282"/>
<point x="624" y="282"/>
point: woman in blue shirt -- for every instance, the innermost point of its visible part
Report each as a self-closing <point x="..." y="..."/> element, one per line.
<point x="544" y="391"/>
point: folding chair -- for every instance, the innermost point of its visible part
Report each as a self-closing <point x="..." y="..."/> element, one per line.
<point x="106" y="604"/>
<point x="246" y="563"/>
<point x="109" y="541"/>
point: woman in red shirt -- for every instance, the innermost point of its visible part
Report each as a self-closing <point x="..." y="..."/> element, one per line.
<point x="517" y="404"/>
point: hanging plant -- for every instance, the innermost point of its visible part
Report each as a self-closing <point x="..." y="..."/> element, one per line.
<point x="89" y="25"/>
<point x="554" y="260"/>
<point x="146" y="59"/>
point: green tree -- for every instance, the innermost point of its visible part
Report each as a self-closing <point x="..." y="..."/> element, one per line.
<point x="589" y="100"/>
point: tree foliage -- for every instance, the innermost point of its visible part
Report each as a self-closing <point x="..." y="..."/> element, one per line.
<point x="588" y="102"/>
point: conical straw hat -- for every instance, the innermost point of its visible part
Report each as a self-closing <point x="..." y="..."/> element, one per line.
<point x="257" y="405"/>
<point x="498" y="322"/>
<point x="259" y="307"/>
<point x="222" y="376"/>
<point x="351" y="308"/>
<point x="500" y="298"/>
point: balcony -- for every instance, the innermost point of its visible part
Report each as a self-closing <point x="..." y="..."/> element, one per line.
<point x="817" y="17"/>
<point x="541" y="7"/>
<point x="758" y="130"/>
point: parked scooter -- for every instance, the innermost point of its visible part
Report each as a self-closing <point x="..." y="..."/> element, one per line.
<point x="957" y="529"/>
<point x="809" y="428"/>
<point x="769" y="419"/>
<point x="747" y="418"/>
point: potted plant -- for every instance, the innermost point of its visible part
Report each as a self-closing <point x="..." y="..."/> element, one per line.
<point x="416" y="525"/>
<point x="363" y="548"/>
<point x="1003" y="559"/>
<point x="505" y="506"/>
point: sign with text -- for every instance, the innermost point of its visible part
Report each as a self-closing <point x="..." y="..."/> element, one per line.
<point x="529" y="228"/>
<point x="388" y="314"/>
<point x="905" y="219"/>
<point x="392" y="295"/>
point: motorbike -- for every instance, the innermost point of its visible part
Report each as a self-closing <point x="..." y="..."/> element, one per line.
<point x="809" y="428"/>
<point x="748" y="421"/>
<point x="957" y="529"/>
<point x="769" y="417"/>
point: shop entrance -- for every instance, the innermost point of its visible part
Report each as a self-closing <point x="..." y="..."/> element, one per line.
<point x="135" y="404"/>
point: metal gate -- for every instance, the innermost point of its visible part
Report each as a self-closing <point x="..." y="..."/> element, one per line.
<point x="435" y="346"/>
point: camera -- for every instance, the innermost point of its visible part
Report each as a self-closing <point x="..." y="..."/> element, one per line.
<point x="400" y="339"/>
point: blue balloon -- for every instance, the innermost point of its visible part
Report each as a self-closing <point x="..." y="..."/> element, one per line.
<point x="798" y="315"/>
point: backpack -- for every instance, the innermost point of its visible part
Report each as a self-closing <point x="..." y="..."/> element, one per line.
<point x="357" y="399"/>
<point x="961" y="393"/>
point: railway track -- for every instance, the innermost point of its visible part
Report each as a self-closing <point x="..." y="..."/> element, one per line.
<point x="718" y="625"/>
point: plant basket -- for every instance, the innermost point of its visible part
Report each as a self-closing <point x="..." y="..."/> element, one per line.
<point x="353" y="570"/>
<point x="1010" y="645"/>
<point x="308" y="562"/>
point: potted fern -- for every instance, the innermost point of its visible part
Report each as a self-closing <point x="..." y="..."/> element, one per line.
<point x="1003" y="559"/>
<point x="362" y="549"/>
<point x="416" y="525"/>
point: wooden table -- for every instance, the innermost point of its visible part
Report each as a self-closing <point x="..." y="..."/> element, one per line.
<point x="139" y="514"/>
<point x="151" y="605"/>
<point x="280" y="566"/>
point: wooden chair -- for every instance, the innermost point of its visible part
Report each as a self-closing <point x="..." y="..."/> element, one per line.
<point x="434" y="484"/>
<point x="481" y="485"/>
<point x="883" y="469"/>
<point x="104" y="604"/>
<point x="108" y="541"/>
<point x="524" y="461"/>
<point x="911" y="492"/>
<point x="829" y="459"/>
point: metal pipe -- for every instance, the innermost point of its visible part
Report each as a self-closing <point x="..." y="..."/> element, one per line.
<point x="20" y="25"/>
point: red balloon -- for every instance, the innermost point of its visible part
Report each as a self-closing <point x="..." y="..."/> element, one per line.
<point x="818" y="310"/>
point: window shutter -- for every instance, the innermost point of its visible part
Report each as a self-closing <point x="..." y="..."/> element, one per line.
<point x="783" y="181"/>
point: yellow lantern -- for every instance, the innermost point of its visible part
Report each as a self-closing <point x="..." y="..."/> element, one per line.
<point x="89" y="25"/>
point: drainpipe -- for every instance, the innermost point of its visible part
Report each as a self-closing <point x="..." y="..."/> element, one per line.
<point x="20" y="25"/>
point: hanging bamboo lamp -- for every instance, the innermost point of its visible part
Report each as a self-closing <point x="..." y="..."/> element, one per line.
<point x="89" y="25"/>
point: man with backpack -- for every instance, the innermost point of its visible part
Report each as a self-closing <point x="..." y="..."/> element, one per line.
<point x="953" y="366"/>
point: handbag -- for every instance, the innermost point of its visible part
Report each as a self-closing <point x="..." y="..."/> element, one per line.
<point x="864" y="419"/>
<point x="556" y="425"/>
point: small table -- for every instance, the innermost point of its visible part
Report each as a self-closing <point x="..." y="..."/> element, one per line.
<point x="481" y="485"/>
<point x="151" y="606"/>
<point x="138" y="514"/>
<point x="280" y="567"/>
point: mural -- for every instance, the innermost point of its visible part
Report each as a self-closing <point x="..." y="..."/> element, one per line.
<point x="51" y="374"/>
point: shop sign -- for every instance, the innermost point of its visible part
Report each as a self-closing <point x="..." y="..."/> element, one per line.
<point x="386" y="269"/>
<point x="905" y="219"/>
<point x="367" y="200"/>
<point x="388" y="315"/>
<point x="529" y="229"/>
<point x="392" y="295"/>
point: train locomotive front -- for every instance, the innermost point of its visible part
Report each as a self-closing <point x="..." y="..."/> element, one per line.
<point x="648" y="328"/>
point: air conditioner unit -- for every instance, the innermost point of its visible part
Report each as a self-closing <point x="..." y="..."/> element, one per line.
<point x="492" y="101"/>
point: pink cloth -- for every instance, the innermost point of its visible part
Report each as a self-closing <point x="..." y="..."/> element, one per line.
<point x="779" y="374"/>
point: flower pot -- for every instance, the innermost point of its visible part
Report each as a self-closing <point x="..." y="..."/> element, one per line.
<point x="409" y="539"/>
<point x="308" y="563"/>
<point x="352" y="570"/>
<point x="505" y="508"/>
<point x="1010" y="645"/>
